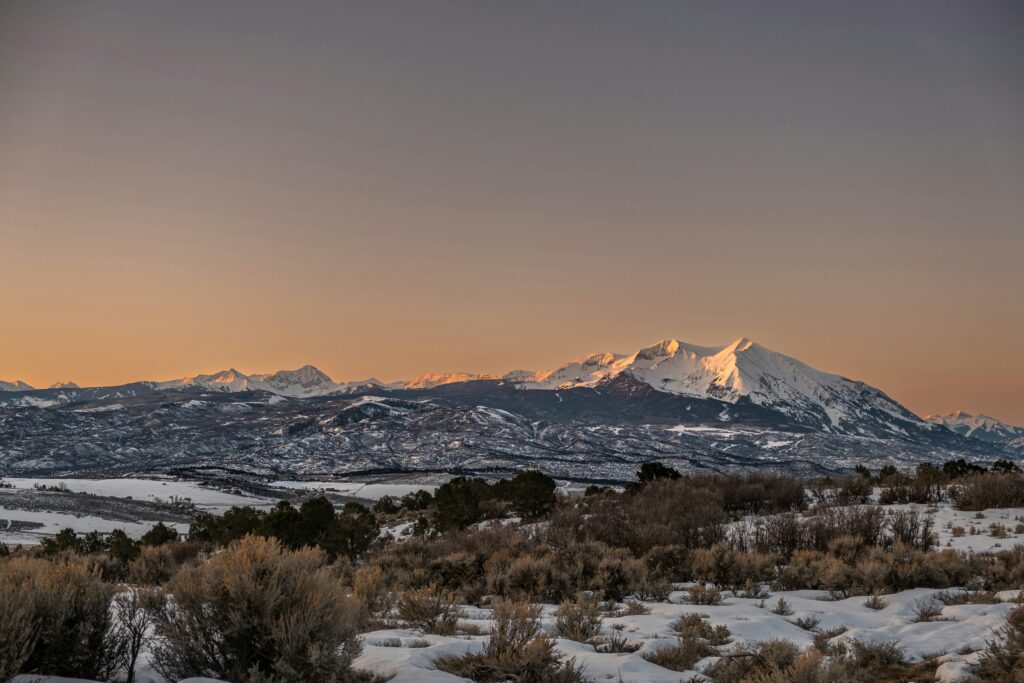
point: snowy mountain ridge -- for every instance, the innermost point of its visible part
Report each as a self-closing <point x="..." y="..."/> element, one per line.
<point x="738" y="381"/>
<point x="741" y="370"/>
<point x="16" y="385"/>
<point x="304" y="382"/>
<point x="978" y="426"/>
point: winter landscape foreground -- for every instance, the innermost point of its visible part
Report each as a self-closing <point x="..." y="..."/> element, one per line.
<point x="886" y="576"/>
<point x="678" y="513"/>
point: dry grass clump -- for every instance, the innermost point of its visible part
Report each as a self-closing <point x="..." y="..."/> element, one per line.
<point x="701" y="594"/>
<point x="780" y="661"/>
<point x="697" y="640"/>
<point x="516" y="650"/>
<point x="782" y="608"/>
<point x="822" y="639"/>
<point x="696" y="626"/>
<point x="257" y="612"/>
<point x="743" y="664"/>
<point x="927" y="610"/>
<point x="579" y="619"/>
<point x="808" y="623"/>
<point x="431" y="609"/>
<point x="682" y="656"/>
<point x="876" y="602"/>
<point x="962" y="597"/>
<point x="615" y="643"/>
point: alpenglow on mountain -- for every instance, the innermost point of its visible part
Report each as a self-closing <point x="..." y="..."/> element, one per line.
<point x="725" y="407"/>
<point x="980" y="427"/>
<point x="669" y="383"/>
<point x="739" y="373"/>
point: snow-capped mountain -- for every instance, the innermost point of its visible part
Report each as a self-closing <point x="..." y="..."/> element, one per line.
<point x="980" y="427"/>
<point x="741" y="371"/>
<point x="724" y="407"/>
<point x="305" y="382"/>
<point x="64" y="385"/>
<point x="671" y="382"/>
<point x="16" y="385"/>
<point x="429" y="380"/>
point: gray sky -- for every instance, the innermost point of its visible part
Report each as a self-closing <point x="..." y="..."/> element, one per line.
<point x="384" y="188"/>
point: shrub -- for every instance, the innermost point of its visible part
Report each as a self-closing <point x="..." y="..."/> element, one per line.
<point x="876" y="602"/>
<point x="682" y="656"/>
<point x="257" y="611"/>
<point x="911" y="528"/>
<point x="616" y="643"/>
<point x="927" y="610"/>
<point x="883" y="658"/>
<point x="808" y="623"/>
<point x="371" y="587"/>
<point x="134" y="612"/>
<point x="744" y="664"/>
<point x="619" y="575"/>
<point x="154" y="566"/>
<point x="990" y="490"/>
<point x="695" y="626"/>
<point x="579" y="619"/>
<point x="822" y="638"/>
<point x="432" y="609"/>
<point x="782" y="608"/>
<point x="1003" y="659"/>
<point x="705" y="595"/>
<point x="526" y="577"/>
<point x="56" y="619"/>
<point x="17" y="632"/>
<point x="515" y="651"/>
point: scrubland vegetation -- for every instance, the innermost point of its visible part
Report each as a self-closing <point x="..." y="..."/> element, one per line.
<point x="284" y="595"/>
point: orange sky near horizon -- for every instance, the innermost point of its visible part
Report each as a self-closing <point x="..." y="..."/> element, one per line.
<point x="186" y="188"/>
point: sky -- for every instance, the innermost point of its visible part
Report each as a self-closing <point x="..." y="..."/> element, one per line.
<point x="390" y="188"/>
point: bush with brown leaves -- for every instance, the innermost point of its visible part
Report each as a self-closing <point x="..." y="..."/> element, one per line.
<point x="255" y="611"/>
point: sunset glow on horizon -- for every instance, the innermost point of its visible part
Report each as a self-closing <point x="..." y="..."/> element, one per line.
<point x="391" y="189"/>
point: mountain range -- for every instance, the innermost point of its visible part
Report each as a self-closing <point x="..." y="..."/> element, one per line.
<point x="980" y="427"/>
<point x="669" y="400"/>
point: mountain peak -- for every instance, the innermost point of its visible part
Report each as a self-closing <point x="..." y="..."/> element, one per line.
<point x="64" y="385"/>
<point x="978" y="426"/>
<point x="16" y="385"/>
<point x="742" y="370"/>
<point x="742" y="344"/>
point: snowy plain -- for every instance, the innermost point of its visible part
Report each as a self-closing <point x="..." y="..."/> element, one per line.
<point x="403" y="655"/>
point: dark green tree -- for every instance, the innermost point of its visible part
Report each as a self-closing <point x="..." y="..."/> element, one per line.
<point x="159" y="534"/>
<point x="352" y="532"/>
<point x="122" y="548"/>
<point x="530" y="494"/>
<point x="457" y="502"/>
<point x="1004" y="465"/>
<point x="650" y="471"/>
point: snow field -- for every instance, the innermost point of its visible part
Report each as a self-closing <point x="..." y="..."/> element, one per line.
<point x="958" y="633"/>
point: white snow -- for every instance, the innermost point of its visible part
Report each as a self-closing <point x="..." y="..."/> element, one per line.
<point x="977" y="426"/>
<point x="728" y="373"/>
<point x="203" y="497"/>
<point x="357" y="489"/>
<point x="408" y="655"/>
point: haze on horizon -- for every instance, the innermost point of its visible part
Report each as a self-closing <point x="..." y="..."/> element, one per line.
<point x="386" y="189"/>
